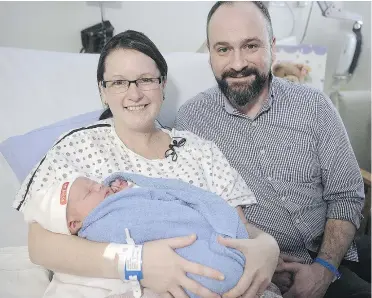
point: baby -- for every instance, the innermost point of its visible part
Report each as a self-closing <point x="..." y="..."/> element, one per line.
<point x="85" y="195"/>
<point x="151" y="209"/>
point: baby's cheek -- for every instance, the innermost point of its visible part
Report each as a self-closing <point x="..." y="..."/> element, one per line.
<point x="86" y="206"/>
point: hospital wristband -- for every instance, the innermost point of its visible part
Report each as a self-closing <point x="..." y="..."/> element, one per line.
<point x="330" y="267"/>
<point x="114" y="249"/>
<point x="130" y="262"/>
<point x="133" y="265"/>
<point x="130" y="267"/>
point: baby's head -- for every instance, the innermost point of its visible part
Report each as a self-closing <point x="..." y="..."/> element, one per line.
<point x="70" y="201"/>
<point x="84" y="195"/>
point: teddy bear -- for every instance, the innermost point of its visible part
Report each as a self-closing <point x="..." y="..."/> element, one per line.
<point x="294" y="72"/>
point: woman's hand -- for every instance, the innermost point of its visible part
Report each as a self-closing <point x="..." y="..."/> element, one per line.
<point x="261" y="258"/>
<point x="164" y="271"/>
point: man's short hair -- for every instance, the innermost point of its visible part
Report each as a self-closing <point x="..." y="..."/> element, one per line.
<point x="261" y="5"/>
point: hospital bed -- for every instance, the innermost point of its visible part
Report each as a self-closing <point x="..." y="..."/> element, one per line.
<point x="44" y="94"/>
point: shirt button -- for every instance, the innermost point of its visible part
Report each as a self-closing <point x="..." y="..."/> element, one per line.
<point x="297" y="221"/>
<point x="254" y="124"/>
<point x="269" y="178"/>
<point x="283" y="199"/>
<point x="262" y="152"/>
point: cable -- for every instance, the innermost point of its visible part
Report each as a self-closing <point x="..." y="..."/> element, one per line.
<point x="358" y="48"/>
<point x="163" y="126"/>
<point x="307" y="22"/>
<point x="101" y="10"/>
<point x="293" y="18"/>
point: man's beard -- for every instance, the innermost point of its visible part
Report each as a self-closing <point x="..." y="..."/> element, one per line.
<point x="244" y="93"/>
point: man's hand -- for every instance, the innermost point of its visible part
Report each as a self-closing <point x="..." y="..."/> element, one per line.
<point x="309" y="280"/>
<point x="281" y="278"/>
<point x="164" y="271"/>
<point x="261" y="254"/>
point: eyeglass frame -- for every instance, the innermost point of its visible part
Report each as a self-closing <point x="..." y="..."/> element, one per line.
<point x="160" y="79"/>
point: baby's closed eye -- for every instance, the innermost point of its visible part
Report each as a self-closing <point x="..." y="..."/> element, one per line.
<point x="116" y="183"/>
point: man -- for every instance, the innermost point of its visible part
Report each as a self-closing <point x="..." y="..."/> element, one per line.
<point x="289" y="144"/>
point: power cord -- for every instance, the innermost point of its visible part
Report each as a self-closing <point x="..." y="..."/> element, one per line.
<point x="307" y="22"/>
<point x="293" y="17"/>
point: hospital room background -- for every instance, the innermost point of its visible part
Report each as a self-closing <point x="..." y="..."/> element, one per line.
<point x="179" y="26"/>
<point x="47" y="80"/>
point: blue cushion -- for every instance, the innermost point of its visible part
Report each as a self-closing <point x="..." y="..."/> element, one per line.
<point x="23" y="152"/>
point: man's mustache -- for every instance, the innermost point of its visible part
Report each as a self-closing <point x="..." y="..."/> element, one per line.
<point x="245" y="72"/>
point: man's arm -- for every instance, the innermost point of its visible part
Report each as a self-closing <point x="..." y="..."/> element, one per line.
<point x="337" y="239"/>
<point x="313" y="280"/>
<point x="343" y="188"/>
<point x="342" y="191"/>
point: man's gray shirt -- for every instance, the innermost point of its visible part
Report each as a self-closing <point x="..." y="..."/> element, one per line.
<point x="296" y="157"/>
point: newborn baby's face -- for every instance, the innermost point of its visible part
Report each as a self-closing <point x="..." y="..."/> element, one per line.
<point x="85" y="195"/>
<point x="119" y="184"/>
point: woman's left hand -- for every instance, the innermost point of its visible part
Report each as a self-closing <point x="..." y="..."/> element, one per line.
<point x="261" y="258"/>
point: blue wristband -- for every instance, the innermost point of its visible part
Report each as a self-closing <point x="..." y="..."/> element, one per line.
<point x="129" y="274"/>
<point x="134" y="272"/>
<point x="330" y="267"/>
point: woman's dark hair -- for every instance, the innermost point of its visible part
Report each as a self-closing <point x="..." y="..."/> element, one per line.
<point x="132" y="40"/>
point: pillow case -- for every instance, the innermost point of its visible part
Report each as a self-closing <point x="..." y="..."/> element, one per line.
<point x="23" y="152"/>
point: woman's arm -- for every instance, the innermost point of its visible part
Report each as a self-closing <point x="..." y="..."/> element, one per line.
<point x="251" y="229"/>
<point x="69" y="254"/>
<point x="73" y="255"/>
<point x="163" y="269"/>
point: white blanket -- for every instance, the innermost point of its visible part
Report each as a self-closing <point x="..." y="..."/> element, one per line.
<point x="19" y="278"/>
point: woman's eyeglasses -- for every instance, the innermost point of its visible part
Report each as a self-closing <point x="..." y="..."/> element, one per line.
<point x="121" y="86"/>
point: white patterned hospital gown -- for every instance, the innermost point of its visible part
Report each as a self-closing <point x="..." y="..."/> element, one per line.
<point x="96" y="151"/>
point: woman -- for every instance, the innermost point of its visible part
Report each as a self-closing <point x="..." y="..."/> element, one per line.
<point x="131" y="76"/>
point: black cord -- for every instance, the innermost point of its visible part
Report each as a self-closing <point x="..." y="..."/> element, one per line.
<point x="358" y="49"/>
<point x="171" y="151"/>
<point x="162" y="126"/>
